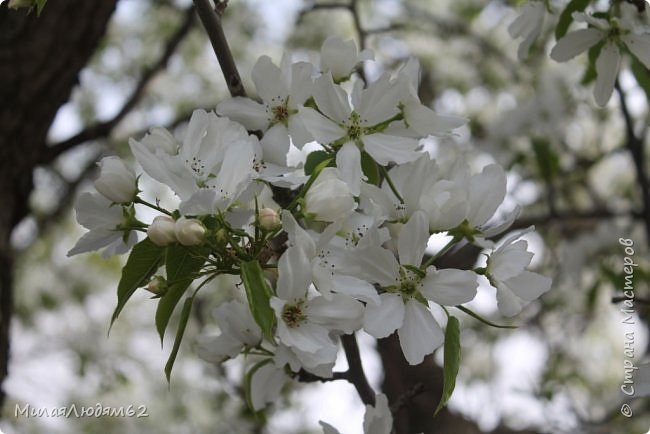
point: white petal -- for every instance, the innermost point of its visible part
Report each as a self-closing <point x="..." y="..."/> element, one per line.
<point x="297" y="235"/>
<point x="268" y="81"/>
<point x="379" y="101"/>
<point x="356" y="288"/>
<point x="427" y="122"/>
<point x="300" y="135"/>
<point x="340" y="312"/>
<point x="331" y="99"/>
<point x="413" y="238"/>
<point x="387" y="149"/>
<point x="639" y="45"/>
<point x="574" y="43"/>
<point x="301" y="83"/>
<point x="420" y="334"/>
<point x="607" y="66"/>
<point x="509" y="260"/>
<point x="516" y="292"/>
<point x="95" y="240"/>
<point x="378" y="419"/>
<point x="294" y="274"/>
<point x="249" y="113"/>
<point x="374" y="264"/>
<point x="449" y="287"/>
<point x="266" y="384"/>
<point x="384" y="318"/>
<point x="94" y="210"/>
<point x="348" y="161"/>
<point x="324" y="130"/>
<point x="275" y="145"/>
<point x="487" y="190"/>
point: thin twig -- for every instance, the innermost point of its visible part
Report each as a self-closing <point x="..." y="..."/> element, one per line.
<point x="104" y="129"/>
<point x="211" y="19"/>
<point x="634" y="145"/>
<point x="356" y="374"/>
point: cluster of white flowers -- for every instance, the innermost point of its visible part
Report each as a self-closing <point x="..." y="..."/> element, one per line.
<point x="362" y="210"/>
<point x="608" y="32"/>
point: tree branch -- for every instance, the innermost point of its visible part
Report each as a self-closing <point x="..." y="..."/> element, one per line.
<point x="356" y="375"/>
<point x="634" y="145"/>
<point x="211" y="19"/>
<point x="103" y="129"/>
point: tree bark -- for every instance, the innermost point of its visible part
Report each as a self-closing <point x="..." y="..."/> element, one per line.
<point x="40" y="61"/>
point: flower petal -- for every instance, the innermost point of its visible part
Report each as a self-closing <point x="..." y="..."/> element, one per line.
<point x="574" y="43"/>
<point x="607" y="66"/>
<point x="384" y="318"/>
<point x="449" y="287"/>
<point x="420" y="334"/>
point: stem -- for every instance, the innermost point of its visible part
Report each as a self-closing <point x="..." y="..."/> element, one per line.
<point x="390" y="184"/>
<point x="151" y="205"/>
<point x="356" y="375"/>
<point x="442" y="251"/>
<point x="211" y="20"/>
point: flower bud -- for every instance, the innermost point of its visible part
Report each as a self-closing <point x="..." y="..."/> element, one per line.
<point x="189" y="232"/>
<point x="161" y="232"/>
<point x="116" y="181"/>
<point x="329" y="198"/>
<point x="15" y="4"/>
<point x="157" y="286"/>
<point x="269" y="219"/>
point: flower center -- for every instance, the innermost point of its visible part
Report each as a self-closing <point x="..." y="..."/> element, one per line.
<point x="293" y="315"/>
<point x="353" y="127"/>
<point x="409" y="283"/>
<point x="196" y="165"/>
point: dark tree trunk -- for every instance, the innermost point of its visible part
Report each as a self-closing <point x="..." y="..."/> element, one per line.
<point x="40" y="60"/>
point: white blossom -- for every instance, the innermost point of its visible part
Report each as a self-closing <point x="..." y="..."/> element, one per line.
<point x="104" y="222"/>
<point x="516" y="286"/>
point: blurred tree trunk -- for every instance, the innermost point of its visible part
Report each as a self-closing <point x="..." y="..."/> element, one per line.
<point x="40" y="61"/>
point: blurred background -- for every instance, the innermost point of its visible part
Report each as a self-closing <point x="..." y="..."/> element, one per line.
<point x="80" y="80"/>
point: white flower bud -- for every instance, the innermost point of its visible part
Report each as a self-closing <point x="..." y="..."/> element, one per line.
<point x="329" y="198"/>
<point x="269" y="219"/>
<point x="161" y="232"/>
<point x="189" y="232"/>
<point x="116" y="181"/>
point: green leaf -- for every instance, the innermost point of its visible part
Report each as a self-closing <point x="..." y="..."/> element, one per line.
<point x="144" y="260"/>
<point x="452" y="361"/>
<point x="548" y="162"/>
<point x="259" y="294"/>
<point x="185" y="316"/>
<point x="313" y="160"/>
<point x="642" y="76"/>
<point x="40" y="4"/>
<point x="565" y="17"/>
<point x="182" y="265"/>
<point x="370" y="169"/>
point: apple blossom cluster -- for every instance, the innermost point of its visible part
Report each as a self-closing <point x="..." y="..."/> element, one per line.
<point x="344" y="251"/>
<point x="608" y="35"/>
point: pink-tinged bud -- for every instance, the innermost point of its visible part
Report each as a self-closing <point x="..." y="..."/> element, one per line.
<point x="269" y="219"/>
<point x="116" y="181"/>
<point x="189" y="232"/>
<point x="157" y="286"/>
<point x="162" y="231"/>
